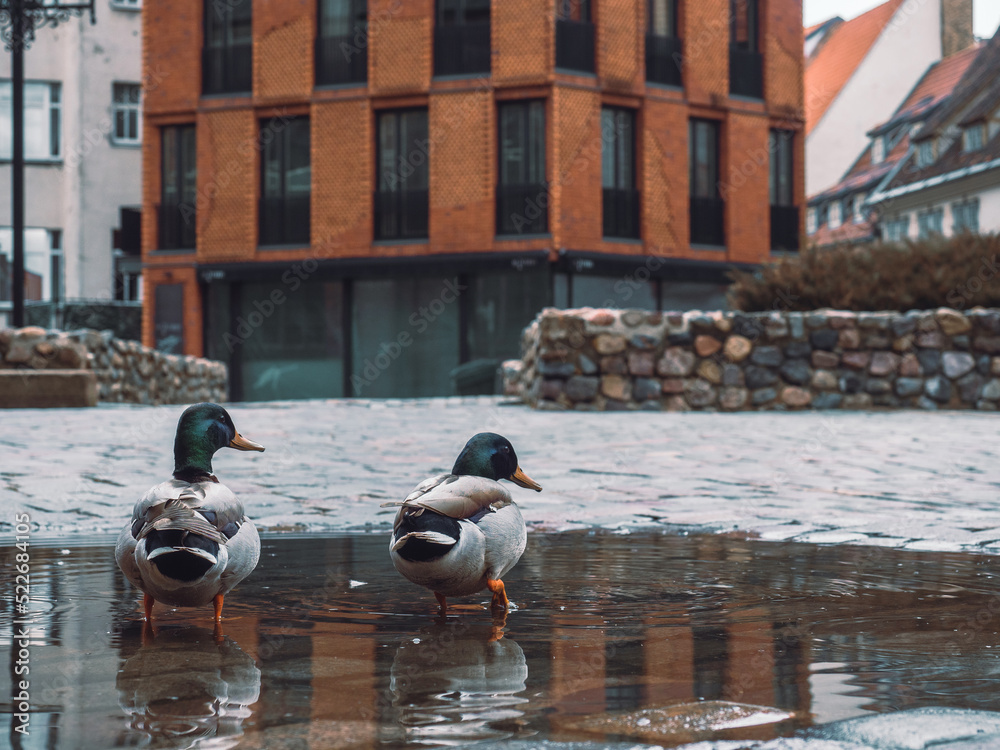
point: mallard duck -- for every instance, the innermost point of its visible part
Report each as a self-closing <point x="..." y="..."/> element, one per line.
<point x="189" y="542"/>
<point x="459" y="533"/>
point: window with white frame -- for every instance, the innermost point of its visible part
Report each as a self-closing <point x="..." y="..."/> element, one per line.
<point x="836" y="217"/>
<point x="972" y="137"/>
<point x="878" y="150"/>
<point x="859" y="208"/>
<point x="126" y="4"/>
<point x="965" y="216"/>
<point x="811" y="220"/>
<point x="897" y="229"/>
<point x="42" y="121"/>
<point x="125" y="112"/>
<point x="930" y="223"/>
<point x="925" y="153"/>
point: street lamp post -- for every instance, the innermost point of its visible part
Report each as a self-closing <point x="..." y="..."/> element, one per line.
<point x="19" y="19"/>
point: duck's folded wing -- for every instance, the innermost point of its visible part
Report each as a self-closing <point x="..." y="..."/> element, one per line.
<point x="457" y="497"/>
<point x="206" y="508"/>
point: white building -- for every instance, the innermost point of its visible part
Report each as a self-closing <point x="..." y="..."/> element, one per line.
<point x="949" y="181"/>
<point x="858" y="71"/>
<point x="83" y="155"/>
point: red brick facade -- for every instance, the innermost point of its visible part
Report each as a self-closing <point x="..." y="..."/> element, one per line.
<point x="462" y="118"/>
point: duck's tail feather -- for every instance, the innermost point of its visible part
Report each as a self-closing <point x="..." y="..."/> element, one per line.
<point x="431" y="537"/>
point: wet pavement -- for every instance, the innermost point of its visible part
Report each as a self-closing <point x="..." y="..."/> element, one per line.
<point x="646" y="638"/>
<point x="796" y="581"/>
<point x="917" y="480"/>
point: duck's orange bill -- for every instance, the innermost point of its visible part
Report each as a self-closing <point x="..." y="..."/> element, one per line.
<point x="522" y="479"/>
<point x="240" y="443"/>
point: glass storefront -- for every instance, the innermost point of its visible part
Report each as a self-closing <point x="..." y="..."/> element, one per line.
<point x="405" y="336"/>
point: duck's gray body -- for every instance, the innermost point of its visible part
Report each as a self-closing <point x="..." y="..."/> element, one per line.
<point x="491" y="534"/>
<point x="207" y="510"/>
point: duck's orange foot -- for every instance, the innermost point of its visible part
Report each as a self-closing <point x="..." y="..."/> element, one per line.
<point x="500" y="600"/>
<point x="147" y="605"/>
<point x="441" y="601"/>
<point x="218" y="606"/>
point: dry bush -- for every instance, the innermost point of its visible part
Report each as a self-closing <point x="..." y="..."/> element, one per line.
<point x="959" y="272"/>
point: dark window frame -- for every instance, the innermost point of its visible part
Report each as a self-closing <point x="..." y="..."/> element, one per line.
<point x="402" y="211"/>
<point x="284" y="217"/>
<point x="575" y="36"/>
<point x="462" y="41"/>
<point x="523" y="206"/>
<point x="227" y="47"/>
<point x="706" y="203"/>
<point x="746" y="60"/>
<point x="619" y="192"/>
<point x="177" y="211"/>
<point x="341" y="58"/>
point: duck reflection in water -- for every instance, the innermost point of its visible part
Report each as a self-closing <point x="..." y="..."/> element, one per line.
<point x="457" y="682"/>
<point x="185" y="686"/>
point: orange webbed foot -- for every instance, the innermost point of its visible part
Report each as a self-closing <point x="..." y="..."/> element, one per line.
<point x="219" y="598"/>
<point x="500" y="600"/>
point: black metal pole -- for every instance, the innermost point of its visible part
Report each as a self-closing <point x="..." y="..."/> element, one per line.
<point x="17" y="157"/>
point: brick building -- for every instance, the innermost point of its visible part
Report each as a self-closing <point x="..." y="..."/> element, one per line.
<point x="351" y="198"/>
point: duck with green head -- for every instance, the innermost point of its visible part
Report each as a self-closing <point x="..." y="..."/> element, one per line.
<point x="460" y="533"/>
<point x="189" y="542"/>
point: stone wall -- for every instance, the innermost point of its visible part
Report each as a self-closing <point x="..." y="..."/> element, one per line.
<point x="126" y="371"/>
<point x="593" y="359"/>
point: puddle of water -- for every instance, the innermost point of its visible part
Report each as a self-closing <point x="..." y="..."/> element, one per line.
<point x="326" y="645"/>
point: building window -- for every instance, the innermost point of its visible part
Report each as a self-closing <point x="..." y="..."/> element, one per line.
<point x="965" y="216"/>
<point x="972" y="137"/>
<point x="127" y="4"/>
<point x="620" y="198"/>
<point x="401" y="197"/>
<point x="178" y="188"/>
<point x="462" y="37"/>
<point x="878" y="149"/>
<point x="574" y="36"/>
<point x="664" y="51"/>
<point x="342" y="42"/>
<point x="811" y="220"/>
<point x="925" y="153"/>
<point x="784" y="212"/>
<point x="522" y="192"/>
<point x="126" y="112"/>
<point x="227" y="57"/>
<point x="782" y="177"/>
<point x="896" y="230"/>
<point x="286" y="181"/>
<point x="836" y="216"/>
<point x="42" y="121"/>
<point x="39" y="246"/>
<point x="930" y="223"/>
<point x="707" y="208"/>
<point x="746" y="64"/>
<point x="859" y="208"/>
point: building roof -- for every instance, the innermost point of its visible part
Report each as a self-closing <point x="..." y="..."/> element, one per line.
<point x="833" y="63"/>
<point x="976" y="94"/>
<point x="933" y="92"/>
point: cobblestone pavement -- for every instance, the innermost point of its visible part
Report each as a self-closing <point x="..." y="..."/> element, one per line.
<point x="909" y="479"/>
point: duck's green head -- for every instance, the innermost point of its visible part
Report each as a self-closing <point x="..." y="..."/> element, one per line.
<point x="201" y="431"/>
<point x="492" y="456"/>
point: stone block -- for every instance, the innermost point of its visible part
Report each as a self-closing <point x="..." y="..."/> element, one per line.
<point x="733" y="398"/>
<point x="763" y="396"/>
<point x="582" y="388"/>
<point x="616" y="387"/>
<point x="766" y="356"/>
<point x="29" y="389"/>
<point x="952" y="322"/>
<point x="759" y="377"/>
<point x="641" y="363"/>
<point x="699" y="393"/>
<point x="675" y="403"/>
<point x="909" y="366"/>
<point x="938" y="389"/>
<point x="857" y="401"/>
<point x="706" y="346"/>
<point x="673" y="385"/>
<point x="796" y="397"/>
<point x="825" y="339"/>
<point x="969" y="387"/>
<point x="737" y="348"/>
<point x="824" y="380"/>
<point x="676" y="361"/>
<point x="883" y="363"/>
<point x="906" y="387"/>
<point x="931" y="340"/>
<point x="823" y="360"/>
<point x="609" y="343"/>
<point x="798" y="350"/>
<point x="957" y="364"/>
<point x="614" y="365"/>
<point x="987" y="344"/>
<point x="991" y="390"/>
<point x="878" y="386"/>
<point x="930" y="361"/>
<point x="856" y="360"/>
<point x="732" y="375"/>
<point x="796" y="371"/>
<point x="849" y="338"/>
<point x="827" y="400"/>
<point x="644" y="389"/>
<point x="710" y="371"/>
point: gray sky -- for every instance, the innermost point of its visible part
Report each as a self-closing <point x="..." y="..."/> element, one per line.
<point x="986" y="12"/>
